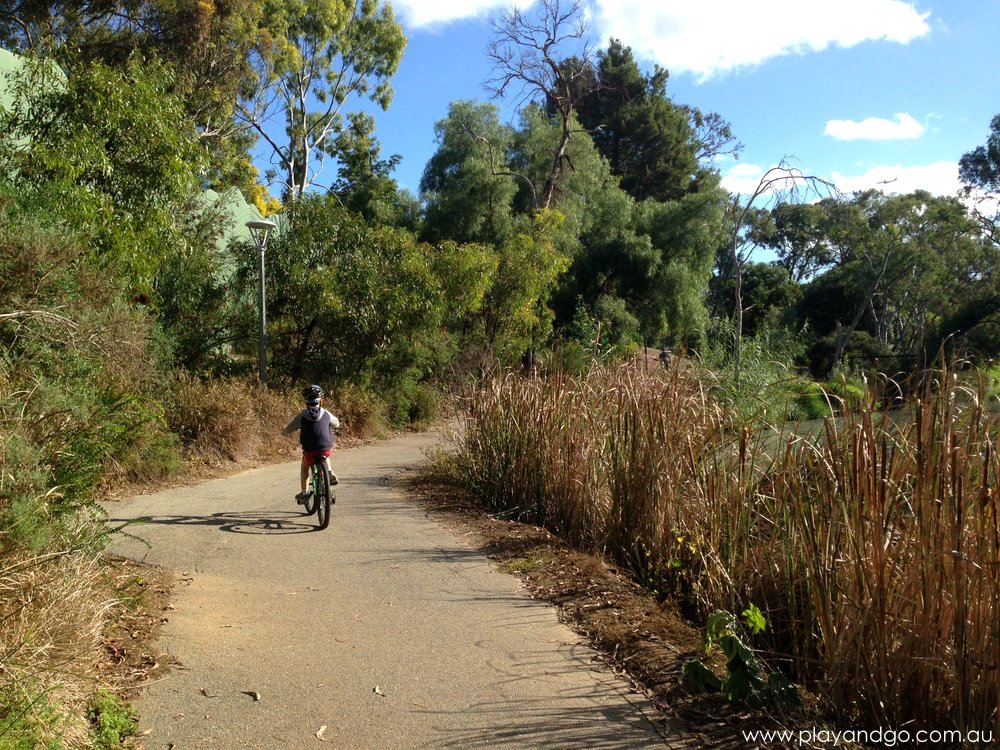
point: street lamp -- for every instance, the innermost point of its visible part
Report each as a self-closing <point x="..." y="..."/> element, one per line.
<point x="260" y="230"/>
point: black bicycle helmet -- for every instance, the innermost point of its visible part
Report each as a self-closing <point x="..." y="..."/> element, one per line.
<point x="312" y="394"/>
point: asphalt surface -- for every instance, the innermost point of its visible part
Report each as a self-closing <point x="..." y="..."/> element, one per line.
<point x="383" y="631"/>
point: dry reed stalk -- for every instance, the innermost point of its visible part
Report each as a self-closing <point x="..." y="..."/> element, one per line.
<point x="896" y="552"/>
<point x="872" y="547"/>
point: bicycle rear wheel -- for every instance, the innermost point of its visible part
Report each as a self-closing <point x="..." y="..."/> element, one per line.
<point x="322" y="495"/>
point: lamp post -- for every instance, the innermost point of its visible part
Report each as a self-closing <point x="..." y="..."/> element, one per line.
<point x="260" y="230"/>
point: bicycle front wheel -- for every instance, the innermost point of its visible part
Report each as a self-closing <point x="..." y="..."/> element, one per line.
<point x="322" y="495"/>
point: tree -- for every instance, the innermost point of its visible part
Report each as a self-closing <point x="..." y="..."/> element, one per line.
<point x="780" y="184"/>
<point x="346" y="301"/>
<point x="310" y="59"/>
<point x="529" y="53"/>
<point x="904" y="266"/>
<point x="364" y="184"/>
<point x="979" y="169"/>
<point x="770" y="297"/>
<point x="119" y="148"/>
<point x="205" y="43"/>
<point x="515" y="316"/>
<point x="655" y="146"/>
<point x="467" y="185"/>
<point x="795" y="232"/>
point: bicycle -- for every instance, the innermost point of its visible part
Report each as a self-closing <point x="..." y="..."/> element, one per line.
<point x="321" y="497"/>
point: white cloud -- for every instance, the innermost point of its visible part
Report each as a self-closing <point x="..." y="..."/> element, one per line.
<point x="420" y="13"/>
<point x="746" y="170"/>
<point x="875" y="129"/>
<point x="709" y="38"/>
<point x="939" y="178"/>
<point x="742" y="179"/>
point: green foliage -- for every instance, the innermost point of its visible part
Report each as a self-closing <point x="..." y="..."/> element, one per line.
<point x="205" y="42"/>
<point x="515" y="314"/>
<point x="112" y="153"/>
<point x="28" y="721"/>
<point x="980" y="167"/>
<point x="810" y="402"/>
<point x="112" y="720"/>
<point x="746" y="680"/>
<point x="650" y="142"/>
<point x="74" y="364"/>
<point x="327" y="52"/>
<point x="758" y="389"/>
<point x="466" y="199"/>
<point x="364" y="184"/>
<point x="347" y="301"/>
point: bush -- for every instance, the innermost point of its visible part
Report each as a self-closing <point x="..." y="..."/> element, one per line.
<point x="228" y="418"/>
<point x="810" y="402"/>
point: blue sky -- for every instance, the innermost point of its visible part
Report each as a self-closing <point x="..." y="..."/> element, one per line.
<point x="860" y="92"/>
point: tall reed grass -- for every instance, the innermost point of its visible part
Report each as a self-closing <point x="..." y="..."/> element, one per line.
<point x="871" y="541"/>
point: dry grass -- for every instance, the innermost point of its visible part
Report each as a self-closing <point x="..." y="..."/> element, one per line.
<point x="51" y="620"/>
<point x="872" y="546"/>
<point x="233" y="420"/>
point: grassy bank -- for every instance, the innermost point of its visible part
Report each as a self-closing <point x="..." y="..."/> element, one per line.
<point x="870" y="545"/>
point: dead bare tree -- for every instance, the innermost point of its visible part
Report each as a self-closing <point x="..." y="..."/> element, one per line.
<point x="531" y="53"/>
<point x="780" y="184"/>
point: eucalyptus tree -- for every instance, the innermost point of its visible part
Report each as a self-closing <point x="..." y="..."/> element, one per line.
<point x="796" y="232"/>
<point x="205" y="43"/>
<point x="905" y="266"/>
<point x="780" y="184"/>
<point x="979" y="169"/>
<point x="310" y="60"/>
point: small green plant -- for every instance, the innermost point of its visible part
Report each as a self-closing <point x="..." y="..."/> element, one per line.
<point x="112" y="721"/>
<point x="745" y="680"/>
<point x="27" y="721"/>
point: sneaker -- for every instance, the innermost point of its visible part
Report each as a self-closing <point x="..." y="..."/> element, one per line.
<point x="333" y="479"/>
<point x="302" y="497"/>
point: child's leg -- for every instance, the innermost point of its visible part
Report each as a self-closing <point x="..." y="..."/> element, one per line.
<point x="329" y="470"/>
<point x="304" y="473"/>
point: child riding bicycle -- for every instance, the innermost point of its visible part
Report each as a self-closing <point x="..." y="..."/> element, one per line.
<point x="315" y="426"/>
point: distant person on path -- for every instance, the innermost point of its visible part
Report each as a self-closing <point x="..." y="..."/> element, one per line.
<point x="315" y="426"/>
<point x="665" y="357"/>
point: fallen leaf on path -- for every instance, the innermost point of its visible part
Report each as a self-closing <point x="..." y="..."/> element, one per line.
<point x="378" y="691"/>
<point x="321" y="734"/>
<point x="253" y="694"/>
<point x="205" y="693"/>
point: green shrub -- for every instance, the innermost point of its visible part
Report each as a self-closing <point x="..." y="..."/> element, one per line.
<point x="809" y="402"/>
<point x="112" y="721"/>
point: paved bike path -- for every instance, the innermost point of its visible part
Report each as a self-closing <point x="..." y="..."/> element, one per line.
<point x="386" y="629"/>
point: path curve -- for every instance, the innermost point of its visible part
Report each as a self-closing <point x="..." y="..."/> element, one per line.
<point x="383" y="631"/>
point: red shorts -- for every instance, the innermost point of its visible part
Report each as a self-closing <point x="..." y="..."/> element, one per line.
<point x="309" y="456"/>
